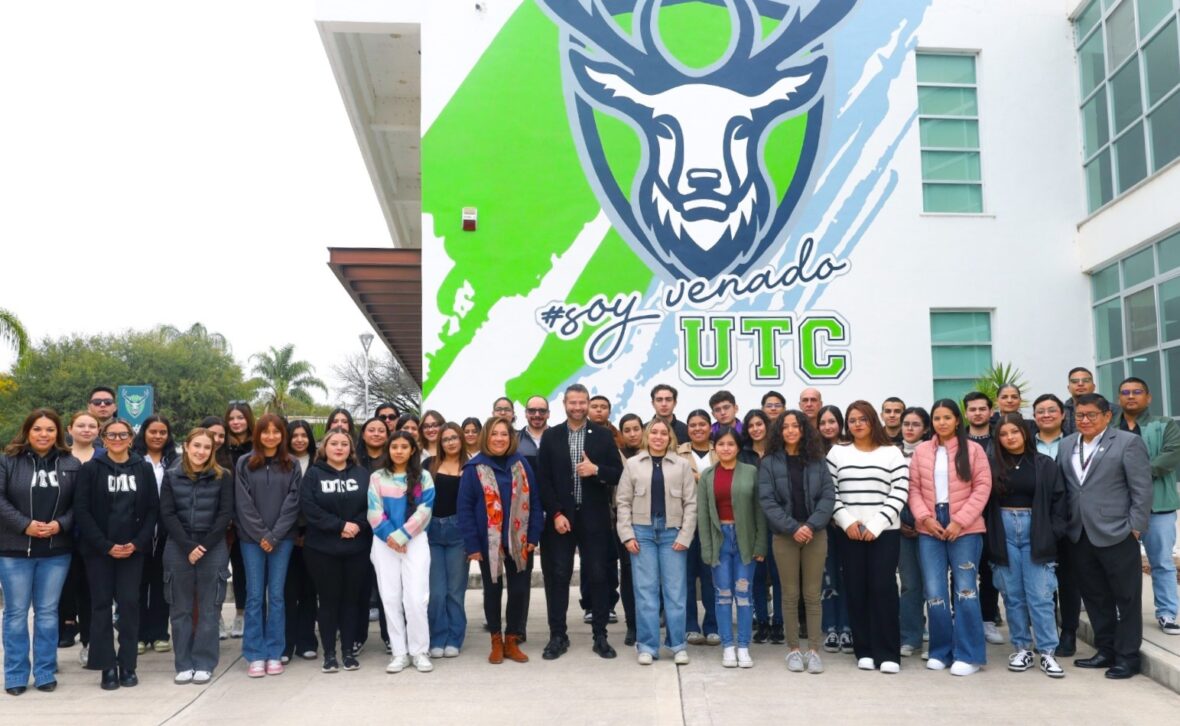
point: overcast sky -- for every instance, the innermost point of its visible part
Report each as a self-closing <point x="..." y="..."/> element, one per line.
<point x="173" y="163"/>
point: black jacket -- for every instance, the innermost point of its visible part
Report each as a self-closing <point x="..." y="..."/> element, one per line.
<point x="1049" y="515"/>
<point x="16" y="476"/>
<point x="331" y="498"/>
<point x="555" y="475"/>
<point x="92" y="504"/>
<point x="774" y="492"/>
<point x="196" y="512"/>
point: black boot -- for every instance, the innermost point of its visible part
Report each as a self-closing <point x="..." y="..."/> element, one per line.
<point x="127" y="678"/>
<point x="110" y="679"/>
<point x="603" y="648"/>
<point x="1067" y="644"/>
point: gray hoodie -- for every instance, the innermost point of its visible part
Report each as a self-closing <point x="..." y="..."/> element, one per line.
<point x="266" y="503"/>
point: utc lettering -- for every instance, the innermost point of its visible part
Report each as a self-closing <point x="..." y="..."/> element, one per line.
<point x="44" y="480"/>
<point x="121" y="483"/>
<point x="338" y="486"/>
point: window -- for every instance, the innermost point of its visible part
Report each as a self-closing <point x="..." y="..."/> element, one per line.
<point x="961" y="349"/>
<point x="1136" y="309"/>
<point x="948" y="126"/>
<point x="1129" y="76"/>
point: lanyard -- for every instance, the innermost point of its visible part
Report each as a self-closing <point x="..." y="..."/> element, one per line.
<point x="1082" y="459"/>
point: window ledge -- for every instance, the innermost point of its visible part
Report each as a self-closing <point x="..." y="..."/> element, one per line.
<point x="972" y="215"/>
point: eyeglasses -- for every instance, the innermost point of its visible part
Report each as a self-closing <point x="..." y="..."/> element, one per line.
<point x="536" y="411"/>
<point x="1080" y="381"/>
<point x="1132" y="392"/>
<point x="1088" y="415"/>
<point x="502" y="409"/>
<point x="386" y="417"/>
<point x="771" y="405"/>
<point x="857" y="421"/>
<point x="431" y="426"/>
<point x="450" y="439"/>
<point x="117" y="436"/>
<point x="102" y="402"/>
<point x="1046" y="411"/>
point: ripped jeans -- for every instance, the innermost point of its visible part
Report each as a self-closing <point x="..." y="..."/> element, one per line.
<point x="732" y="584"/>
<point x="957" y="636"/>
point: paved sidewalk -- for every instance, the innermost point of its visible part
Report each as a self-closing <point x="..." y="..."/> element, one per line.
<point x="581" y="688"/>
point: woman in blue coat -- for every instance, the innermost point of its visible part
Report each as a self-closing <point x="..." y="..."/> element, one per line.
<point x="500" y="503"/>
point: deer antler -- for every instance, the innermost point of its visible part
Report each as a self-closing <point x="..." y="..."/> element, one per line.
<point x="749" y="27"/>
<point x="798" y="33"/>
<point x="594" y="27"/>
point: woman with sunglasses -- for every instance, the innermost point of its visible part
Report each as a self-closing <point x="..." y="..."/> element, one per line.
<point x="116" y="507"/>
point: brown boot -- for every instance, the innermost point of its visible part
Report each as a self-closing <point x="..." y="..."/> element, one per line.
<point x="497" y="655"/>
<point x="512" y="649"/>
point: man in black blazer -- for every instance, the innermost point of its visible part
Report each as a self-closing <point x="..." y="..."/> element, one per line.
<point x="1107" y="475"/>
<point x="578" y="467"/>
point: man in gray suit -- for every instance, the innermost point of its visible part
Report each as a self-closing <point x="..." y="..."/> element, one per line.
<point x="1108" y="489"/>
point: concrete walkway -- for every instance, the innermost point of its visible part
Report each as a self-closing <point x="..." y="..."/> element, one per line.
<point x="581" y="688"/>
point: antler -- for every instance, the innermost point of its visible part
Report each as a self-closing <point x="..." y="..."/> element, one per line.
<point x="748" y="27"/>
<point x="594" y="27"/>
<point x="797" y="33"/>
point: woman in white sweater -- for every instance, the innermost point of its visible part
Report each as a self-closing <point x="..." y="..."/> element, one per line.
<point x="872" y="487"/>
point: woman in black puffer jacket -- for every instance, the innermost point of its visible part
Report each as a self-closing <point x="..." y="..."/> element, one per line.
<point x="196" y="504"/>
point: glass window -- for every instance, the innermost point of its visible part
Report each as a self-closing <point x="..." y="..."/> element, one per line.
<point x="1087" y="19"/>
<point x="1109" y="377"/>
<point x="961" y="327"/>
<point x="1161" y="63"/>
<point x="1125" y="96"/>
<point x="1172" y="357"/>
<point x="1120" y="34"/>
<point x="1091" y="64"/>
<point x="1147" y="367"/>
<point x="1099" y="186"/>
<point x="1140" y="315"/>
<point x="1151" y="12"/>
<point x="950" y="165"/>
<point x="1105" y="282"/>
<point x="943" y="101"/>
<point x="949" y="133"/>
<point x="1132" y="157"/>
<point x="1095" y="123"/>
<point x="1165" y="139"/>
<point x="953" y="389"/>
<point x="1139" y="267"/>
<point x="1169" y="253"/>
<point x="1108" y="329"/>
<point x="946" y="68"/>
<point x="1170" y="309"/>
<point x="967" y="361"/>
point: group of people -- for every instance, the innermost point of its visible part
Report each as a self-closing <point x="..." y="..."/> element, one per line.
<point x="862" y="530"/>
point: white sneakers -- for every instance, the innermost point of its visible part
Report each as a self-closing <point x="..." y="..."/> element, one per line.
<point x="183" y="677"/>
<point x="202" y="677"/>
<point x="450" y="652"/>
<point x="681" y="657"/>
<point x="992" y="634"/>
<point x="398" y="664"/>
<point x="907" y="651"/>
<point x="890" y="666"/>
<point x="934" y="664"/>
<point x="84" y="655"/>
<point x="436" y="652"/>
<point x="959" y="668"/>
<point x="729" y="657"/>
<point x="422" y="663"/>
<point x="743" y="658"/>
<point x="644" y="659"/>
<point x="1050" y="668"/>
<point x="866" y="664"/>
<point x="1020" y="661"/>
<point x="239" y="627"/>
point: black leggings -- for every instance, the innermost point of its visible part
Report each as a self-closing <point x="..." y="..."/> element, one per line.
<point x="338" y="581"/>
<point x="519" y="584"/>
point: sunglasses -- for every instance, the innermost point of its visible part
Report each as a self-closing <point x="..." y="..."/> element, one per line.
<point x="386" y="417"/>
<point x="536" y="411"/>
<point x="102" y="402"/>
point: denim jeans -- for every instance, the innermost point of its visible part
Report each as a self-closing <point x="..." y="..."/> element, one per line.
<point x="768" y="609"/>
<point x="731" y="583"/>
<point x="31" y="582"/>
<point x="911" y="602"/>
<point x="1027" y="587"/>
<point x="835" y="610"/>
<point x="698" y="570"/>
<point x="266" y="578"/>
<point x="1158" y="541"/>
<point x="658" y="572"/>
<point x="958" y="636"/>
<point x="448" y="583"/>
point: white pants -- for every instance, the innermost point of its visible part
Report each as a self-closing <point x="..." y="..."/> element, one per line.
<point x="404" y="583"/>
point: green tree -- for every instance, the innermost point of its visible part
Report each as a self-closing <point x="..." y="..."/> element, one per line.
<point x="192" y="378"/>
<point x="13" y="333"/>
<point x="281" y="380"/>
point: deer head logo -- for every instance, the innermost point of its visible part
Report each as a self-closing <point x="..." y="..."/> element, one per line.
<point x="135" y="403"/>
<point x="703" y="203"/>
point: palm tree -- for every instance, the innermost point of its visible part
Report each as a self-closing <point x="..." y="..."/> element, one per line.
<point x="281" y="379"/>
<point x="13" y="333"/>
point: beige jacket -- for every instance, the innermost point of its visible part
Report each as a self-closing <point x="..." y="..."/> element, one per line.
<point x="633" y="498"/>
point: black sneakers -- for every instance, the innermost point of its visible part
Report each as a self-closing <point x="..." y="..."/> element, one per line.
<point x="330" y="664"/>
<point x="350" y="662"/>
<point x="556" y="647"/>
<point x="603" y="648"/>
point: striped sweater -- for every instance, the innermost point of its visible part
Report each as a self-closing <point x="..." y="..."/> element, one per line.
<point x="871" y="486"/>
<point x="387" y="506"/>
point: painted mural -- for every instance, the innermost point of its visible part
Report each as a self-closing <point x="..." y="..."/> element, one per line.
<point x="667" y="192"/>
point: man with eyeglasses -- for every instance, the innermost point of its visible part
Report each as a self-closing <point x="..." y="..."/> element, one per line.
<point x="663" y="400"/>
<point x="773" y="405"/>
<point x="536" y="414"/>
<point x="891" y="411"/>
<point x="1162" y="437"/>
<point x="504" y="409"/>
<point x="101" y="404"/>
<point x="810" y="402"/>
<point x="1081" y="382"/>
<point x="1047" y="411"/>
<point x="1107" y="475"/>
